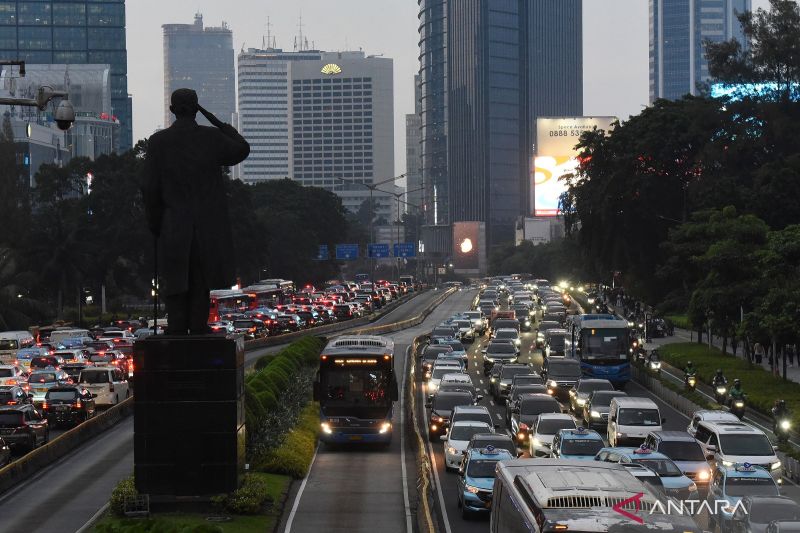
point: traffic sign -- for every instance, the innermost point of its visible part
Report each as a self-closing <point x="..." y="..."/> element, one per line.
<point x="405" y="249"/>
<point x="346" y="252"/>
<point x="378" y="251"/>
<point x="323" y="254"/>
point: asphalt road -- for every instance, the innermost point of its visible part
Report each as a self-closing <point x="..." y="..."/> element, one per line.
<point x="63" y="497"/>
<point x="450" y="517"/>
<point x="355" y="489"/>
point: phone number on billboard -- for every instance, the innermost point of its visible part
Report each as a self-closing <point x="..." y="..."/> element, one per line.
<point x="566" y="133"/>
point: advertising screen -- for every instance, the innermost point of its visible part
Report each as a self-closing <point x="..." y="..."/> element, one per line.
<point x="469" y="239"/>
<point x="556" y="156"/>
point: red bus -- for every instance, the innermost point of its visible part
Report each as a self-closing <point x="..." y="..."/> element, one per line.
<point x="227" y="301"/>
<point x="266" y="295"/>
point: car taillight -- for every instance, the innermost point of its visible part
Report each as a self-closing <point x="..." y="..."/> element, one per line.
<point x="11" y="402"/>
<point x="78" y="403"/>
<point x="45" y="406"/>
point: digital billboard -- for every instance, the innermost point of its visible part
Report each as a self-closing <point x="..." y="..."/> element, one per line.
<point x="469" y="246"/>
<point x="556" y="156"/>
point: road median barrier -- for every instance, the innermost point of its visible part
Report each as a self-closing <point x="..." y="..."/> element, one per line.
<point x="408" y="323"/>
<point x="45" y="455"/>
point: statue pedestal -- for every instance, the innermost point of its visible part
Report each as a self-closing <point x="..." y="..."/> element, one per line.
<point x="189" y="433"/>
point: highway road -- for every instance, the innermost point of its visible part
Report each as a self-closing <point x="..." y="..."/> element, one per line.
<point x="365" y="490"/>
<point x="63" y="497"/>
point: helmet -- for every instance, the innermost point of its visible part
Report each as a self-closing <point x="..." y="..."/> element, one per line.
<point x="782" y="403"/>
<point x="737" y="382"/>
<point x="688" y="363"/>
<point x="719" y="371"/>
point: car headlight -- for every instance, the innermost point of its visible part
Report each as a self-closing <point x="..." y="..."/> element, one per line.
<point x="727" y="463"/>
<point x="440" y="419"/>
<point x="503" y="385"/>
<point x="552" y="384"/>
<point x="432" y="386"/>
<point x="326" y="428"/>
<point x="595" y="414"/>
<point x="703" y="475"/>
<point x="581" y="401"/>
<point x="775" y="466"/>
<point x="470" y="488"/>
<point x="630" y="324"/>
<point x="452" y="451"/>
<point x="693" y="487"/>
<point x="493" y="380"/>
<point x="527" y="322"/>
<point x="785" y="425"/>
<point x="385" y="427"/>
<point x="489" y="359"/>
<point x="517" y="342"/>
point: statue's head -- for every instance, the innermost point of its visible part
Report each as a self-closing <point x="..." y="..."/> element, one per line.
<point x="184" y="103"/>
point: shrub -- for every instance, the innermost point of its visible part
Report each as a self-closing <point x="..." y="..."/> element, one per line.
<point x="251" y="498"/>
<point x="294" y="456"/>
<point x="125" y="489"/>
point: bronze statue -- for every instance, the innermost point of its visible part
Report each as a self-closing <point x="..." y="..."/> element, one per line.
<point x="187" y="211"/>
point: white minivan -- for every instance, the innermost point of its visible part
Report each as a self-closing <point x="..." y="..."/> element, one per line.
<point x="70" y="333"/>
<point x="13" y="341"/>
<point x="731" y="443"/>
<point x="109" y="384"/>
<point x="630" y="419"/>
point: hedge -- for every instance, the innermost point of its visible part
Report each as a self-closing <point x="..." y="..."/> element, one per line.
<point x="761" y="387"/>
<point x="294" y="456"/>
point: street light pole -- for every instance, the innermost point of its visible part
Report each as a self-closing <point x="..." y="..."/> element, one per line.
<point x="397" y="196"/>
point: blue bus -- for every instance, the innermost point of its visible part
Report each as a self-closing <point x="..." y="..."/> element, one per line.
<point x="356" y="388"/>
<point x="600" y="343"/>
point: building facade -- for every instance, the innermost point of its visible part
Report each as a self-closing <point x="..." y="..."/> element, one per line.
<point x="414" y="183"/>
<point x="678" y="29"/>
<point x="324" y="119"/>
<point x="200" y="58"/>
<point x="72" y="32"/>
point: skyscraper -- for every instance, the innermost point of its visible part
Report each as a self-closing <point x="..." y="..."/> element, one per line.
<point x="506" y="63"/>
<point x="678" y="29"/>
<point x="321" y="118"/>
<point x="200" y="58"/>
<point x="413" y="153"/>
<point x="72" y="32"/>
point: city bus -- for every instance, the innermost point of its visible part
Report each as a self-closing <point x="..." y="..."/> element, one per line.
<point x="266" y="295"/>
<point x="600" y="343"/>
<point x="356" y="388"/>
<point x="223" y="302"/>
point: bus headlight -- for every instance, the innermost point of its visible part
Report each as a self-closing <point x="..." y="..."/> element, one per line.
<point x="385" y="427"/>
<point x="326" y="428"/>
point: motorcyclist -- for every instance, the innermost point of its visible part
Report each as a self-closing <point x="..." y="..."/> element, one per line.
<point x="737" y="393"/>
<point x="689" y="369"/>
<point x="781" y="424"/>
<point x="719" y="379"/>
<point x="779" y="409"/>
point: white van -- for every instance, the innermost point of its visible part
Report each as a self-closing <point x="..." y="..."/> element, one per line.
<point x="736" y="442"/>
<point x="630" y="419"/>
<point x="13" y="341"/>
<point x="60" y="334"/>
<point x="108" y="383"/>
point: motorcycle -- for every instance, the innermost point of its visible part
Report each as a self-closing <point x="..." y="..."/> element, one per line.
<point x="737" y="407"/>
<point x="690" y="380"/>
<point x="781" y="429"/>
<point x="720" y="394"/>
<point x="654" y="363"/>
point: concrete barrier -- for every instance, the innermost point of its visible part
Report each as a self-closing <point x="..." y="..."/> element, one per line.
<point x="408" y="323"/>
<point x="54" y="450"/>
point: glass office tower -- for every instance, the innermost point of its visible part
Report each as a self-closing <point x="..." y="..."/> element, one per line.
<point x="72" y="32"/>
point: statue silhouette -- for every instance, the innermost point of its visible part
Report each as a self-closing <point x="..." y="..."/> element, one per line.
<point x="187" y="212"/>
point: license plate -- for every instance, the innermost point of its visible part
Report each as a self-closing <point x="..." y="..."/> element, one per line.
<point x="356" y="437"/>
<point x="62" y="408"/>
<point x="6" y="431"/>
<point x="40" y="390"/>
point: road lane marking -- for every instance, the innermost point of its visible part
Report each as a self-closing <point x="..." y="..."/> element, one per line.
<point x="409" y="527"/>
<point x="297" y="498"/>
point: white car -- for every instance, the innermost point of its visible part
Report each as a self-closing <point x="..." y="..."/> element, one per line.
<point x="546" y="427"/>
<point x="12" y="375"/>
<point x="457" y="440"/>
<point x="507" y="334"/>
<point x="439" y="370"/>
<point x="114" y="334"/>
<point x="109" y="384"/>
<point x="709" y="415"/>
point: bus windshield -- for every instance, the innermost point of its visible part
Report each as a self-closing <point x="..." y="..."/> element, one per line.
<point x="360" y="392"/>
<point x="603" y="343"/>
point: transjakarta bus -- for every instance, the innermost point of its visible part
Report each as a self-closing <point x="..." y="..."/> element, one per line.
<point x="600" y="343"/>
<point x="356" y="389"/>
<point x="223" y="302"/>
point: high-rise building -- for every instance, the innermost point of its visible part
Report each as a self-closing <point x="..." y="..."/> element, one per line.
<point x="72" y="32"/>
<point x="321" y="118"/>
<point x="200" y="58"/>
<point x="678" y="29"/>
<point x="413" y="151"/>
<point x="505" y="64"/>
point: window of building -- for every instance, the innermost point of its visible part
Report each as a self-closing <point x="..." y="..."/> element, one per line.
<point x="8" y="15"/>
<point x="69" y="14"/>
<point x="106" y="15"/>
<point x="32" y="38"/>
<point x="69" y="38"/>
<point x="35" y="14"/>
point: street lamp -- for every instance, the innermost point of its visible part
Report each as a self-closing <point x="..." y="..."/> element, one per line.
<point x="372" y="188"/>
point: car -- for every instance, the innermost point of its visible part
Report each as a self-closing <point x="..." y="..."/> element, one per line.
<point x="501" y="377"/>
<point x="555" y="342"/>
<point x="783" y="526"/>
<point x="479" y="322"/>
<point x="444" y="332"/>
<point x="22" y="427"/>
<point x="40" y="381"/>
<point x="12" y="375"/>
<point x="498" y="440"/>
<point x="219" y="328"/>
<point x="757" y="512"/>
<point x="579" y="395"/>
<point x="111" y="334"/>
<point x="459" y="381"/>
<point x="5" y="452"/>
<point x="458" y="348"/>
<point x="580" y="444"/>
<point x="457" y="440"/>
<point x="518" y="390"/>
<point x="441" y="406"/>
<point x="72" y="355"/>
<point x="501" y="352"/>
<point x="542" y="329"/>
<point x="14" y="395"/>
<point x="429" y="355"/>
<point x="466" y="330"/>
<point x="676" y="484"/>
<point x="710" y="415"/>
<point x="630" y="419"/>
<point x="685" y="451"/>
<point x="731" y="484"/>
<point x="528" y="409"/>
<point x="509" y="335"/>
<point x="73" y="370"/>
<point x="439" y="370"/>
<point x="43" y="362"/>
<point x="476" y="479"/>
<point x="68" y="406"/>
<point x="736" y="442"/>
<point x="560" y="375"/>
<point x="251" y="328"/>
<point x="544" y="430"/>
<point x="108" y="383"/>
<point x="595" y="412"/>
<point x="475" y="413"/>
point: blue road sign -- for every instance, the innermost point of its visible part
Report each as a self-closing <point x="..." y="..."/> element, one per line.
<point x="405" y="249"/>
<point x="346" y="252"/>
<point x="323" y="254"/>
<point x="378" y="251"/>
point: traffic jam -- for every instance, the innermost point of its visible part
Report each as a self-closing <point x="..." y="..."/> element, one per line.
<point x="55" y="378"/>
<point x="525" y="382"/>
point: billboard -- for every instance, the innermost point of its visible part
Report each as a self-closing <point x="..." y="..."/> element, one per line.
<point x="469" y="246"/>
<point x="556" y="156"/>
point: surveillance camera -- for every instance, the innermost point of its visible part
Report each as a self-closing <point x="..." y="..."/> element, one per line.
<point x="65" y="115"/>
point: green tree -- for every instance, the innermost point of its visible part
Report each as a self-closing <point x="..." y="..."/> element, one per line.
<point x="14" y="200"/>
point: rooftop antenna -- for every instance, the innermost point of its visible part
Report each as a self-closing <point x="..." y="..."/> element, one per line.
<point x="269" y="36"/>
<point x="300" y="34"/>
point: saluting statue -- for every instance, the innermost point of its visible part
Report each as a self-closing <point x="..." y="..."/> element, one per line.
<point x="187" y="211"/>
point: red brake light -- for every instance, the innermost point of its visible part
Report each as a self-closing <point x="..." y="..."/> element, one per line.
<point x="45" y="406"/>
<point x="78" y="402"/>
<point x="11" y="402"/>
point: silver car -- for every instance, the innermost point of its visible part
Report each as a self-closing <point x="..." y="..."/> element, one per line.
<point x="41" y="381"/>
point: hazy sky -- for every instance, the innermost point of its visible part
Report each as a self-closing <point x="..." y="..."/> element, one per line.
<point x="615" y="38"/>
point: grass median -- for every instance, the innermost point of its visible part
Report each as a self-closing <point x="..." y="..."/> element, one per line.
<point x="761" y="387"/>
